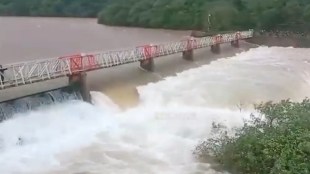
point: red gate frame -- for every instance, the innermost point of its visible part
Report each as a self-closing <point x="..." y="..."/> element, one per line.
<point x="77" y="64"/>
<point x="75" y="61"/>
<point x="150" y="51"/>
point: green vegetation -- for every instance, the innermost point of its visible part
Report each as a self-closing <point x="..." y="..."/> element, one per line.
<point x="277" y="143"/>
<point x="174" y="14"/>
<point x="51" y="8"/>
<point x="194" y="14"/>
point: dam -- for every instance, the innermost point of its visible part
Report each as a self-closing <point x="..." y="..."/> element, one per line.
<point x="75" y="66"/>
<point x="139" y="122"/>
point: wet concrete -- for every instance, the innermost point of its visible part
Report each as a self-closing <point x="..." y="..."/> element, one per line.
<point x="32" y="102"/>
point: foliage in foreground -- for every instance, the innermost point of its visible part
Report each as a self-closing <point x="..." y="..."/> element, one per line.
<point x="275" y="142"/>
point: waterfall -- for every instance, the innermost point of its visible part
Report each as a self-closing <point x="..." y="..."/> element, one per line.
<point x="29" y="103"/>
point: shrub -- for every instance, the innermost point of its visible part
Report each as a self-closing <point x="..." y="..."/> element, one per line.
<point x="275" y="141"/>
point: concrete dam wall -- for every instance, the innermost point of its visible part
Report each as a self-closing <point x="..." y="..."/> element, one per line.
<point x="33" y="102"/>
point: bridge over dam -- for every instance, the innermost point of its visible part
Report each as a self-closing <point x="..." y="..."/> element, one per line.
<point x="75" y="67"/>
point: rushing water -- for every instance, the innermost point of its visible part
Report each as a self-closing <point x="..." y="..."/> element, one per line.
<point x="29" y="103"/>
<point x="158" y="135"/>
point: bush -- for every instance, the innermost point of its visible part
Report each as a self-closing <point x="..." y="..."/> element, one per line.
<point x="275" y="141"/>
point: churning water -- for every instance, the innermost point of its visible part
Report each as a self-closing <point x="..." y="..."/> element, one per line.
<point x="158" y="135"/>
<point x="25" y="104"/>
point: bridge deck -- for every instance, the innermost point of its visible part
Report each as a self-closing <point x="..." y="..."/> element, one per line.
<point x="24" y="73"/>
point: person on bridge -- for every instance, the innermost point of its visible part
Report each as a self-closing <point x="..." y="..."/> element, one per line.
<point x="1" y="73"/>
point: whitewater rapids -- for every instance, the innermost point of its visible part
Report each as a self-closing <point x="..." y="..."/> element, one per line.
<point x="159" y="135"/>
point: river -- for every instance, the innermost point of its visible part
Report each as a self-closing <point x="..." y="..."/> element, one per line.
<point x="144" y="123"/>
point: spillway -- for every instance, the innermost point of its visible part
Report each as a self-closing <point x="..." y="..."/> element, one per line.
<point x="33" y="102"/>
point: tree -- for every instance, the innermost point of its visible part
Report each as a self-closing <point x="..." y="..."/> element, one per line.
<point x="275" y="141"/>
<point x="293" y="11"/>
<point x="239" y="5"/>
<point x="175" y="14"/>
<point x="270" y="19"/>
<point x="306" y="14"/>
<point x="76" y="8"/>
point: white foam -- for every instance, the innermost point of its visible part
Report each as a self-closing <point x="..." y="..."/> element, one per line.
<point x="46" y="133"/>
<point x="157" y="136"/>
<point x="104" y="102"/>
<point x="260" y="74"/>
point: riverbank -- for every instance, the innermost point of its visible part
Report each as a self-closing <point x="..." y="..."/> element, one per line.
<point x="275" y="38"/>
<point x="282" y="39"/>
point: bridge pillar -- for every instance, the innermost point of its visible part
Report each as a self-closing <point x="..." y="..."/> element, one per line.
<point x="78" y="82"/>
<point x="235" y="43"/>
<point x="188" y="55"/>
<point x="216" y="48"/>
<point x="147" y="64"/>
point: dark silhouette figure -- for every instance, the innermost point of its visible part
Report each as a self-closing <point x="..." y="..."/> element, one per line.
<point x="1" y="73"/>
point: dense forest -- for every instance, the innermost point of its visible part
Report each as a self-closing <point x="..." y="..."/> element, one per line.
<point x="51" y="8"/>
<point x="175" y="14"/>
<point x="204" y="14"/>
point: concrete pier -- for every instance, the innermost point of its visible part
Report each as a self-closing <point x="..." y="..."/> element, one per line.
<point x="147" y="64"/>
<point x="188" y="55"/>
<point x="216" y="48"/>
<point x="235" y="43"/>
<point x="78" y="82"/>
